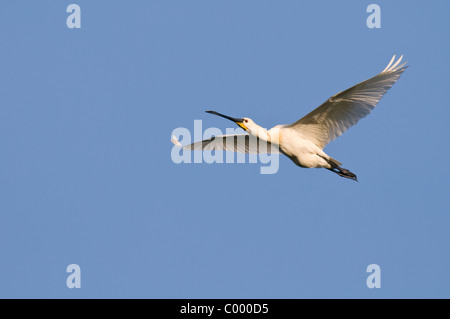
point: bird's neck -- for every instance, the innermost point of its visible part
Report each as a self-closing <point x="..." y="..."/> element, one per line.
<point x="271" y="136"/>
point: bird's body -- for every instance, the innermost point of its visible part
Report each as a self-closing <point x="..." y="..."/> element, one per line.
<point x="301" y="151"/>
<point x="304" y="140"/>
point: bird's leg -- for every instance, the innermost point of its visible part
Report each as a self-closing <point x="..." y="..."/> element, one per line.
<point x="343" y="172"/>
<point x="340" y="171"/>
<point x="346" y="173"/>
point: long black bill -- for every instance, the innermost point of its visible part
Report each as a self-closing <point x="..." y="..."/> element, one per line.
<point x="236" y="120"/>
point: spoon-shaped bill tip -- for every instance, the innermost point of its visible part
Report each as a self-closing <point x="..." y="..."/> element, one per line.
<point x="236" y="120"/>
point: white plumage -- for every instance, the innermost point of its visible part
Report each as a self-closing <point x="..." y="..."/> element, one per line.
<point x="304" y="140"/>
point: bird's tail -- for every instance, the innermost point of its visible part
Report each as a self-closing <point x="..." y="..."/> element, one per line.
<point x="333" y="162"/>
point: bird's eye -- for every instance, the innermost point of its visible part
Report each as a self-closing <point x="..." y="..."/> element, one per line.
<point x="246" y="121"/>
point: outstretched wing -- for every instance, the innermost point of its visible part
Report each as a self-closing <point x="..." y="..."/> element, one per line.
<point x="241" y="143"/>
<point x="345" y="109"/>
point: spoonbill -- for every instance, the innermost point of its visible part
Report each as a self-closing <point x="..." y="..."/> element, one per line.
<point x="304" y="140"/>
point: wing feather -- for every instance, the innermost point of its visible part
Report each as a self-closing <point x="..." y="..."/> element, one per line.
<point x="241" y="143"/>
<point x="345" y="109"/>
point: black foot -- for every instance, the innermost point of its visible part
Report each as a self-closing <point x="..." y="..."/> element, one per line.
<point x="347" y="174"/>
<point x="344" y="173"/>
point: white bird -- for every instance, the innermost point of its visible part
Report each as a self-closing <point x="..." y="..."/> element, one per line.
<point x="304" y="140"/>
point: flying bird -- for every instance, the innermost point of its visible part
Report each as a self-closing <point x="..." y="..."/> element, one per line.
<point x="304" y="140"/>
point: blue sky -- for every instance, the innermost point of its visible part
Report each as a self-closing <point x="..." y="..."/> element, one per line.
<point x="87" y="178"/>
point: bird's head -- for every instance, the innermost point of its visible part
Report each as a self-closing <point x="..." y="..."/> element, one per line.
<point x="245" y="123"/>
